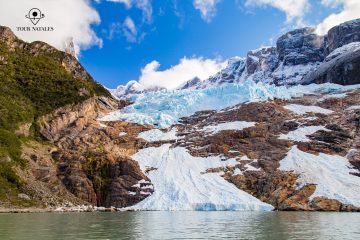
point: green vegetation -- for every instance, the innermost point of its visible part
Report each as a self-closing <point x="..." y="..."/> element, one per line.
<point x="32" y="85"/>
<point x="97" y="169"/>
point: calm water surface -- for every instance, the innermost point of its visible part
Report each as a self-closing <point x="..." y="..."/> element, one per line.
<point x="180" y="225"/>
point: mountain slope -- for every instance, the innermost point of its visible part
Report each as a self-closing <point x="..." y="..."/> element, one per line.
<point x="300" y="56"/>
<point x="294" y="148"/>
<point x="35" y="79"/>
<point x="230" y="143"/>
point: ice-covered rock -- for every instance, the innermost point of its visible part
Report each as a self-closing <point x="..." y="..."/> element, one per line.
<point x="342" y="66"/>
<point x="230" y="74"/>
<point x="342" y="34"/>
<point x="132" y="87"/>
<point x="193" y="83"/>
<point x="301" y="46"/>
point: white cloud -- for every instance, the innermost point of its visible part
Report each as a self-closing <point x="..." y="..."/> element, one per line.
<point x="207" y="8"/>
<point x="129" y="30"/>
<point x="294" y="9"/>
<point x="128" y="3"/>
<point x="143" y="5"/>
<point x="70" y="18"/>
<point x="174" y="76"/>
<point x="350" y="10"/>
<point x="146" y="8"/>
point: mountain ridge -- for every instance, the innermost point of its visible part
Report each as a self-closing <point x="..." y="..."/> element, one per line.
<point x="66" y="145"/>
<point x="297" y="55"/>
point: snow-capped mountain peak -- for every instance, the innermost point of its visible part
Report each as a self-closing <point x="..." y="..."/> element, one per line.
<point x="132" y="87"/>
<point x="294" y="59"/>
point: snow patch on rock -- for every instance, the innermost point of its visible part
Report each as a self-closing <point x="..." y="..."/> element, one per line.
<point x="155" y="135"/>
<point x="330" y="96"/>
<point x="180" y="183"/>
<point x="355" y="107"/>
<point x="302" y="109"/>
<point x="330" y="173"/>
<point x="122" y="134"/>
<point x="237" y="125"/>
<point x="351" y="47"/>
<point x="300" y="134"/>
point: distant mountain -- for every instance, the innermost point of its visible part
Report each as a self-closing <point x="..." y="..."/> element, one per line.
<point x="235" y="141"/>
<point x="300" y="57"/>
<point x="132" y="87"/>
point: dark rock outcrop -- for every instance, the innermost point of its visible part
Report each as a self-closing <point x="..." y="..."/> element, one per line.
<point x="191" y="83"/>
<point x="300" y="57"/>
<point x="264" y="59"/>
<point x="300" y="46"/>
<point x="343" y="69"/>
<point x="341" y="35"/>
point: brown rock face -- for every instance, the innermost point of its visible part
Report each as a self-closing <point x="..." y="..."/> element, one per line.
<point x="93" y="158"/>
<point x="7" y="36"/>
<point x="41" y="176"/>
<point x="261" y="144"/>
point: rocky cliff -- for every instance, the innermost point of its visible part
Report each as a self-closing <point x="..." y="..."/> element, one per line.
<point x="53" y="151"/>
<point x="299" y="57"/>
<point x="64" y="140"/>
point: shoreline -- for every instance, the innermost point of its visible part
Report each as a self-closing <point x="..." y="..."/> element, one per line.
<point x="92" y="209"/>
<point x="74" y="209"/>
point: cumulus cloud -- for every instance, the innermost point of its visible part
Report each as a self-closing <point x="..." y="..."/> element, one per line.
<point x="187" y="69"/>
<point x="350" y="9"/>
<point x="294" y="9"/>
<point x="207" y="8"/>
<point x="72" y="19"/>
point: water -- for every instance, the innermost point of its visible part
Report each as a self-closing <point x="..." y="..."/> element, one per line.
<point x="181" y="225"/>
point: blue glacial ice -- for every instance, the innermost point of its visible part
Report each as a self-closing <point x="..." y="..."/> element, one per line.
<point x="164" y="108"/>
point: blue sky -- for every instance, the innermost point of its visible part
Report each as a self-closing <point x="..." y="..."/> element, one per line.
<point x="177" y="30"/>
<point x="122" y="40"/>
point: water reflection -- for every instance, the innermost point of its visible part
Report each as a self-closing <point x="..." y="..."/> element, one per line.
<point x="181" y="225"/>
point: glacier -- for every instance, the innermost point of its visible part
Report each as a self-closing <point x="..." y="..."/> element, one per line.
<point x="182" y="184"/>
<point x="166" y="107"/>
